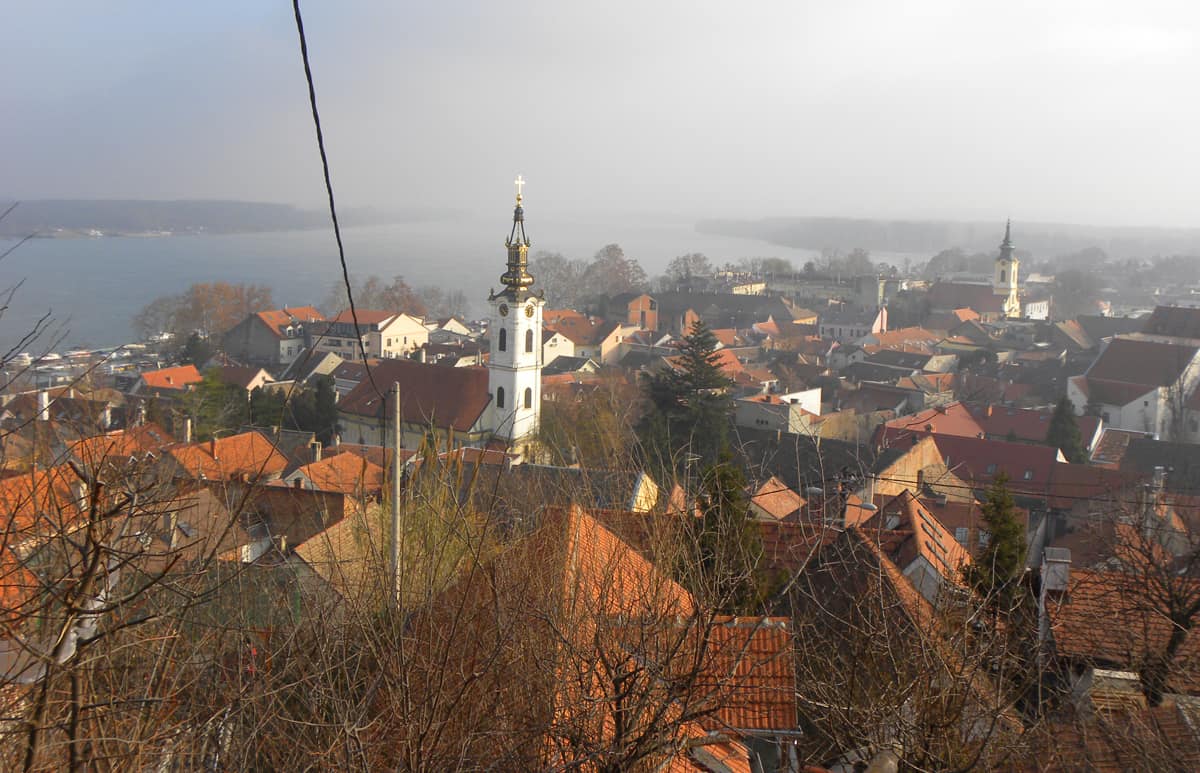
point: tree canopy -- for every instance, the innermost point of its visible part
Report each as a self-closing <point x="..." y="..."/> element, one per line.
<point x="1064" y="432"/>
<point x="688" y="405"/>
<point x="996" y="572"/>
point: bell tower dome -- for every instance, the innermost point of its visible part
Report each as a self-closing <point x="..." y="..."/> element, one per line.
<point x="515" y="331"/>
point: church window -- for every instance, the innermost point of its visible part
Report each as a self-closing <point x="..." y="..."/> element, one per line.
<point x="503" y="345"/>
<point x="1001" y="275"/>
<point x="500" y="394"/>
<point x="528" y="397"/>
<point x="529" y="340"/>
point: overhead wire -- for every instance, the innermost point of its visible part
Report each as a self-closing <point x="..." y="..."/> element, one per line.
<point x="337" y="231"/>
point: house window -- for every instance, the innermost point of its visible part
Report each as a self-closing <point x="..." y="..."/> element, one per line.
<point x="500" y="394"/>
<point x="503" y="345"/>
<point x="991" y="469"/>
<point x="529" y="340"/>
<point x="1028" y="475"/>
<point x="984" y="538"/>
<point x="960" y="535"/>
<point x="528" y="397"/>
<point x="1145" y="403"/>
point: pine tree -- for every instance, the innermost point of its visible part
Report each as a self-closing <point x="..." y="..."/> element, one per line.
<point x="1064" y="432"/>
<point x="728" y="541"/>
<point x="689" y="406"/>
<point x="995" y="574"/>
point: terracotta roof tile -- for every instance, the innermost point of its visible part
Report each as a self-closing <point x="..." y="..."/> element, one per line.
<point x="750" y="665"/>
<point x="1110" y="618"/>
<point x="178" y="378"/>
<point x="1141" y="362"/>
<point x="277" y="320"/>
<point x="247" y="455"/>
<point x="345" y="474"/>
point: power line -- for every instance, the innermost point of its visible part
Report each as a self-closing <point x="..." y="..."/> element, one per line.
<point x="337" y="231"/>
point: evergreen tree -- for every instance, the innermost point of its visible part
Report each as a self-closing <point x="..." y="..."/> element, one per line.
<point x="689" y="405"/>
<point x="728" y="542"/>
<point x="1064" y="432"/>
<point x="996" y="572"/>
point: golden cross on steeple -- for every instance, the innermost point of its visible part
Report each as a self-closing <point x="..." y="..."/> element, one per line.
<point x="520" y="183"/>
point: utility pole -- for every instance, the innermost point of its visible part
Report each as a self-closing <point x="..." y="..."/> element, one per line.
<point x="395" y="564"/>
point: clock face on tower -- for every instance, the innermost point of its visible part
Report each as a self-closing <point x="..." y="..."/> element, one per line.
<point x="504" y="309"/>
<point x="529" y="310"/>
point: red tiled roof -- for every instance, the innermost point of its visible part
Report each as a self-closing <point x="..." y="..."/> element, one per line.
<point x="277" y="320"/>
<point x="905" y="335"/>
<point x="1110" y="618"/>
<point x="1029" y="424"/>
<point x="1113" y="443"/>
<point x="178" y="378"/>
<point x="944" y="296"/>
<point x="750" y="664"/>
<point x="581" y="330"/>
<point x="954" y="419"/>
<point x="1141" y="362"/>
<point x="775" y="499"/>
<point x="249" y="454"/>
<point x="1178" y="321"/>
<point x="38" y="503"/>
<point x="345" y="474"/>
<point x="121" y="444"/>
<point x="923" y="536"/>
<point x="429" y="394"/>
<point x="1029" y="467"/>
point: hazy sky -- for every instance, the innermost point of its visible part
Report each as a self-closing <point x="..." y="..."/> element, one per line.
<point x="1079" y="112"/>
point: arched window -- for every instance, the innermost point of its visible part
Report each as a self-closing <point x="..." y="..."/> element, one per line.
<point x="500" y="391"/>
<point x="529" y="340"/>
<point x="1001" y="276"/>
<point x="528" y="397"/>
<point x="503" y="345"/>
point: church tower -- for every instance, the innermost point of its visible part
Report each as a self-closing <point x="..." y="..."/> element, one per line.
<point x="1004" y="279"/>
<point x="515" y="330"/>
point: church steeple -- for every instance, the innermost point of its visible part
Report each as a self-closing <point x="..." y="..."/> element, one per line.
<point x="517" y="278"/>
<point x="1004" y="280"/>
<point x="1006" y="246"/>
<point x="515" y="335"/>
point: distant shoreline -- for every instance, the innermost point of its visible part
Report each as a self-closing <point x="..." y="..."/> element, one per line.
<point x="104" y="218"/>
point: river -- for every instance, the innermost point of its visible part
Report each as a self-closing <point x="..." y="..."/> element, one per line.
<point x="92" y="287"/>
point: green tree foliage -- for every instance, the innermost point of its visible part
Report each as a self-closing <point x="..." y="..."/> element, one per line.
<point x="312" y="409"/>
<point x="996" y="572"/>
<point x="728" y="541"/>
<point x="1064" y="432"/>
<point x="688" y="405"/>
<point x="196" y="350"/>
<point x="215" y="406"/>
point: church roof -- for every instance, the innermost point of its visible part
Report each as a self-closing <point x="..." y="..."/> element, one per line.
<point x="446" y="397"/>
<point x="948" y="296"/>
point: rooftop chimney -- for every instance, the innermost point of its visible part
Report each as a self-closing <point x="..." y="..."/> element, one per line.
<point x="187" y="430"/>
<point x="212" y="447"/>
<point x="1056" y="577"/>
<point x="43" y="405"/>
